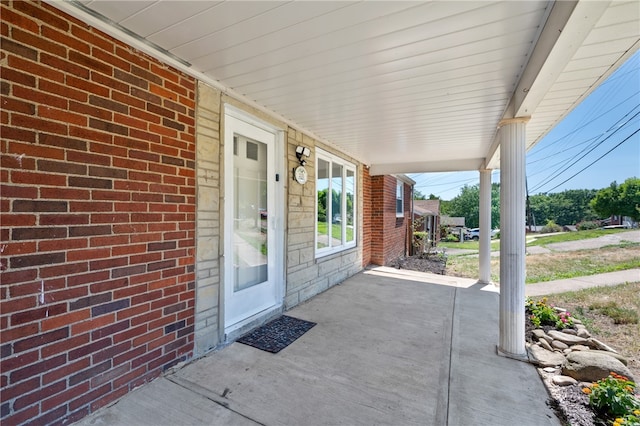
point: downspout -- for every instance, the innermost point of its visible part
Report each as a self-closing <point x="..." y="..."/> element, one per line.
<point x="410" y="230"/>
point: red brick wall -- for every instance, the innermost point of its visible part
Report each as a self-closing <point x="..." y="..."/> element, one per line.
<point x="389" y="238"/>
<point x="98" y="206"/>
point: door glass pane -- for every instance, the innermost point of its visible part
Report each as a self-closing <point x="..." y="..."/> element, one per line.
<point x="336" y="205"/>
<point x="322" y="188"/>
<point x="250" y="214"/>
<point x="349" y="189"/>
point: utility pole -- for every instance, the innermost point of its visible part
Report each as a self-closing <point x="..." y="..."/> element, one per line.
<point x="530" y="218"/>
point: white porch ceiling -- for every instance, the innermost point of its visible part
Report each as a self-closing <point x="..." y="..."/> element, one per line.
<point x="402" y="86"/>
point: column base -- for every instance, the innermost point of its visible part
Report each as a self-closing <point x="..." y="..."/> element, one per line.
<point x="518" y="357"/>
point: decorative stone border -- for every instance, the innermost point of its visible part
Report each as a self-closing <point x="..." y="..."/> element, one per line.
<point x="573" y="358"/>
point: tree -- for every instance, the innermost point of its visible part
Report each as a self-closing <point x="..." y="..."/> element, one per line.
<point x="467" y="204"/>
<point x="417" y="195"/>
<point x="322" y="205"/>
<point x="565" y="208"/>
<point x="621" y="200"/>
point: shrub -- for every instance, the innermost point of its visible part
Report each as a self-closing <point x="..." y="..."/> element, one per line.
<point x="419" y="235"/>
<point x="587" y="225"/>
<point x="540" y="313"/>
<point x="551" y="227"/>
<point x="450" y="238"/>
<point x="420" y="240"/>
<point x="614" y="401"/>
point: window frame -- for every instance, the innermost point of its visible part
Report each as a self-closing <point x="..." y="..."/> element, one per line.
<point x="346" y="165"/>
<point x="400" y="189"/>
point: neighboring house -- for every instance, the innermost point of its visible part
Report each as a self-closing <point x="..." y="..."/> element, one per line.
<point x="426" y="214"/>
<point x="391" y="218"/>
<point x="453" y="225"/>
<point x="619" y="221"/>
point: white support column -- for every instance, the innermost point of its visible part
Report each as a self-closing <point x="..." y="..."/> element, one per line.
<point x="512" y="237"/>
<point x="485" y="227"/>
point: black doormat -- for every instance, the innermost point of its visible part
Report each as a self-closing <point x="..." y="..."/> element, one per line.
<point x="277" y="334"/>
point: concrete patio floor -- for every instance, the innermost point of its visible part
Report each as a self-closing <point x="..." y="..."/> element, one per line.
<point x="389" y="348"/>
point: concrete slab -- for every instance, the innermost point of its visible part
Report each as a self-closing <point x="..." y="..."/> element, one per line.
<point x="580" y="283"/>
<point x="378" y="355"/>
<point x="388" y="349"/>
<point x="487" y="389"/>
<point x="163" y="402"/>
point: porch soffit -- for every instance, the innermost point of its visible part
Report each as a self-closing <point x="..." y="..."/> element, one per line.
<point x="403" y="86"/>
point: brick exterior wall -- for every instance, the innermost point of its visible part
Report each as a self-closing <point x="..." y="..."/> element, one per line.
<point x="98" y="216"/>
<point x="389" y="234"/>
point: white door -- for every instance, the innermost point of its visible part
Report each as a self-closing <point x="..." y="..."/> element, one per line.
<point x="251" y="230"/>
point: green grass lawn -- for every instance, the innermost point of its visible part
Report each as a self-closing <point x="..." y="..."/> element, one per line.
<point x="469" y="245"/>
<point x="555" y="266"/>
<point x="336" y="231"/>
<point x="532" y="240"/>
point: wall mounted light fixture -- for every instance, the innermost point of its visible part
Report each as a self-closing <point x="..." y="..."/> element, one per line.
<point x="302" y="151"/>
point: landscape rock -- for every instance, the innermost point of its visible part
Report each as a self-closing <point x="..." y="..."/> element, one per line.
<point x="545" y="358"/>
<point x="591" y="366"/>
<point x="557" y="344"/>
<point x="538" y="333"/>
<point x="570" y="331"/>
<point x="580" y="348"/>
<point x="597" y="344"/>
<point x="584" y="333"/>
<point x="568" y="339"/>
<point x="564" y="380"/>
<point x="617" y="356"/>
<point x="545" y="344"/>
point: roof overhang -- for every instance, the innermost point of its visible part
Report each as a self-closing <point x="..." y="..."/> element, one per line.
<point x="404" y="87"/>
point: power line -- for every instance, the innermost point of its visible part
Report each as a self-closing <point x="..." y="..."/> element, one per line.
<point x="595" y="161"/>
<point x="560" y="171"/>
<point x="564" y="150"/>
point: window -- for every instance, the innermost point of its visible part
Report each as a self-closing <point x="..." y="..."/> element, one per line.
<point x="399" y="199"/>
<point x="252" y="151"/>
<point x="335" y="204"/>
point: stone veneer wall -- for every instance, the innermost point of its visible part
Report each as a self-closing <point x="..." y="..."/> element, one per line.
<point x="208" y="218"/>
<point x="306" y="275"/>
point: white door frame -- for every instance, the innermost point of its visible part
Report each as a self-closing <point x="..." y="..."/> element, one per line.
<point x="275" y="220"/>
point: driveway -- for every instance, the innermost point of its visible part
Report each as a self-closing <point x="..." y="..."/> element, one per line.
<point x="594" y="243"/>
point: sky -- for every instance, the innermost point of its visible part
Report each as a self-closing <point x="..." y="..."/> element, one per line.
<point x="600" y="131"/>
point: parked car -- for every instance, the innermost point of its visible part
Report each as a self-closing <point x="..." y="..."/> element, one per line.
<point x="474" y="234"/>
